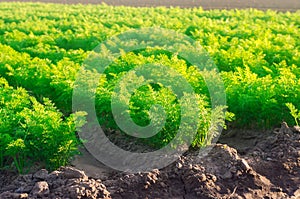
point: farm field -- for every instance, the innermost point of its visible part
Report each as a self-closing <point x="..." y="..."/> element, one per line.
<point x="257" y="54"/>
<point x="288" y="5"/>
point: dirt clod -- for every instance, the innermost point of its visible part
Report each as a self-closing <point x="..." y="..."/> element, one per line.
<point x="269" y="167"/>
<point x="40" y="189"/>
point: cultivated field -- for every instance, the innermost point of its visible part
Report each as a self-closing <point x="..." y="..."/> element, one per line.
<point x="287" y="5"/>
<point x="245" y="77"/>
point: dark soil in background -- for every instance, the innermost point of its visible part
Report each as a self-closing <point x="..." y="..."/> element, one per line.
<point x="280" y="5"/>
<point x="251" y="165"/>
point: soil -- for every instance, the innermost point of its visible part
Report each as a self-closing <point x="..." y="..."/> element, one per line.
<point x="250" y="165"/>
<point x="286" y="5"/>
<point x="244" y="164"/>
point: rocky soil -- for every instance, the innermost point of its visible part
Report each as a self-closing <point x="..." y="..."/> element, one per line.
<point x="263" y="165"/>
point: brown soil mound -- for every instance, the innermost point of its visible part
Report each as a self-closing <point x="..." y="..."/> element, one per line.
<point x="67" y="182"/>
<point x="267" y="167"/>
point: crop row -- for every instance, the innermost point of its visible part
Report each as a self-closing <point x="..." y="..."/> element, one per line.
<point x="42" y="47"/>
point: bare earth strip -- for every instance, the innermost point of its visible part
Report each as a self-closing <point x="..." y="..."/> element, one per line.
<point x="280" y="5"/>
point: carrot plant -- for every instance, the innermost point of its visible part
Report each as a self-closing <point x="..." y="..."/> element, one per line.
<point x="294" y="112"/>
<point x="44" y="58"/>
<point x="43" y="46"/>
<point x="33" y="132"/>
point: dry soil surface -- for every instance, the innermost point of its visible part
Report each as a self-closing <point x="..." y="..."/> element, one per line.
<point x="280" y="5"/>
<point x="263" y="165"/>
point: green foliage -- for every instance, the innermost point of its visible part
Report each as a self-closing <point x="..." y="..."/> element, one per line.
<point x="44" y="58"/>
<point x="31" y="131"/>
<point x="294" y="112"/>
<point x="16" y="149"/>
<point x="42" y="46"/>
<point x="40" y="76"/>
<point x="146" y="97"/>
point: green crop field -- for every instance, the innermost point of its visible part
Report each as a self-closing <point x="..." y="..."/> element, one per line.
<point x="42" y="46"/>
